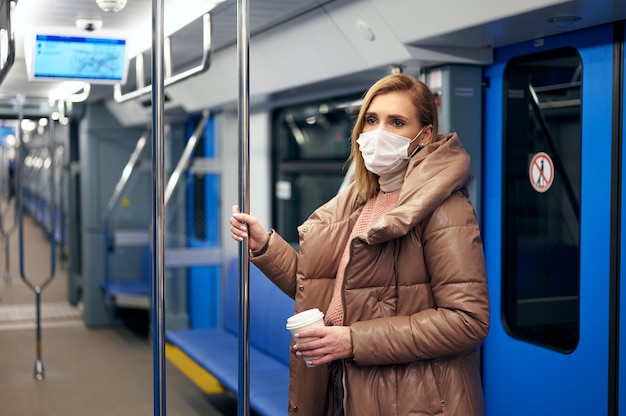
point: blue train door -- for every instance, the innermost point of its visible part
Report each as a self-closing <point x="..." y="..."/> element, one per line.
<point x="548" y="226"/>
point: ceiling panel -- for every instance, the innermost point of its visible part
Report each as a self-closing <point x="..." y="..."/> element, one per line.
<point x="135" y="20"/>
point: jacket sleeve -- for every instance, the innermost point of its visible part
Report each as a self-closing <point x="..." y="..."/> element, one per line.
<point x="278" y="261"/>
<point x="459" y="319"/>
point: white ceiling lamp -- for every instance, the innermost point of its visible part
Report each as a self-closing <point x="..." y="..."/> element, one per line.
<point x="111" y="5"/>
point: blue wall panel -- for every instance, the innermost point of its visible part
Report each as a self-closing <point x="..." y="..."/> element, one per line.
<point x="204" y="282"/>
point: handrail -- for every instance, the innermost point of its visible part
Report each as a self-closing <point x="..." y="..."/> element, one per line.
<point x="126" y="173"/>
<point x="39" y="372"/>
<point x="5" y="209"/>
<point x="183" y="161"/>
<point x="6" y="65"/>
<point x="6" y="232"/>
<point x="169" y="79"/>
<point x="157" y="298"/>
<point x="243" y="106"/>
<point x="173" y="181"/>
<point x="117" y="192"/>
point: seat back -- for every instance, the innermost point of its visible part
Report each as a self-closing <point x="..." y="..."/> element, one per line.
<point x="269" y="309"/>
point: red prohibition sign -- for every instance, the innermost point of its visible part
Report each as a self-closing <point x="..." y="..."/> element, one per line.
<point x="541" y="172"/>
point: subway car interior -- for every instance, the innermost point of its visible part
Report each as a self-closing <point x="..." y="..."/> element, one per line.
<point x="129" y="128"/>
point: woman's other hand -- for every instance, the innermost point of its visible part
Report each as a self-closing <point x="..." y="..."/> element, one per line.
<point x="247" y="226"/>
<point x="333" y="343"/>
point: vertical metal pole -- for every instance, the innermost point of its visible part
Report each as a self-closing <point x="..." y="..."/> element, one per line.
<point x="7" y="259"/>
<point x="39" y="370"/>
<point x="158" y="208"/>
<point x="52" y="148"/>
<point x="39" y="367"/>
<point x="19" y="173"/>
<point x="243" y="67"/>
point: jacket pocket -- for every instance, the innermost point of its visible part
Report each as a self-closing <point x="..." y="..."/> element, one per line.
<point x="419" y="392"/>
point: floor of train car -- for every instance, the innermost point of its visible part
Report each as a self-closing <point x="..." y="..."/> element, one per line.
<point x="88" y="372"/>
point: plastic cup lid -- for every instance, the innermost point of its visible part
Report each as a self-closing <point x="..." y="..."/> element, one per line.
<point x="304" y="318"/>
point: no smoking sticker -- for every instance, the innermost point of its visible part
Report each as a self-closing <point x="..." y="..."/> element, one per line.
<point x="541" y="172"/>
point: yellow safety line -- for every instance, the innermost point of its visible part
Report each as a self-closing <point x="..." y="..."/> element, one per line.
<point x="202" y="378"/>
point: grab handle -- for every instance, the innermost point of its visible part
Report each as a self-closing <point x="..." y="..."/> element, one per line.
<point x="39" y="371"/>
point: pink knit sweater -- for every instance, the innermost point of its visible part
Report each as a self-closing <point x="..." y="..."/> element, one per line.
<point x="373" y="210"/>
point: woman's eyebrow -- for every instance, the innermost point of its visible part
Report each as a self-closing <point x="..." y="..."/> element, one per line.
<point x="396" y="116"/>
<point x="388" y="116"/>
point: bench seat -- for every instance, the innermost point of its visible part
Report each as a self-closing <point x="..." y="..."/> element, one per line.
<point x="216" y="350"/>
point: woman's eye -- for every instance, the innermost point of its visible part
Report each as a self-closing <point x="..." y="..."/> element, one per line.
<point x="398" y="123"/>
<point x="370" y="120"/>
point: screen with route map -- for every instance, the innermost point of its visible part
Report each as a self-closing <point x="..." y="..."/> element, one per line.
<point x="96" y="60"/>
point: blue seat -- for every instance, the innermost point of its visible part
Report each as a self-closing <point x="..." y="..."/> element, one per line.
<point x="216" y="349"/>
<point x="140" y="288"/>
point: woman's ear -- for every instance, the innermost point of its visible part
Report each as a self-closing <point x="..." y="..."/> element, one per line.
<point x="427" y="136"/>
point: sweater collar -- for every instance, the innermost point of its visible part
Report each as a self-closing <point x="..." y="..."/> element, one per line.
<point x="392" y="182"/>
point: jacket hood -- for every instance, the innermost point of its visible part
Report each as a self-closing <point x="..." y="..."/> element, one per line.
<point x="433" y="174"/>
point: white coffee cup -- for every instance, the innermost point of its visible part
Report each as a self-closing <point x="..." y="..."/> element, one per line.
<point x="310" y="318"/>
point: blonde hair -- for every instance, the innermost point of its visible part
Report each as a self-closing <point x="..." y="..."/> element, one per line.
<point x="424" y="102"/>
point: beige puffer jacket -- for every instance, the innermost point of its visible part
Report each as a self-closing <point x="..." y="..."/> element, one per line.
<point x="415" y="295"/>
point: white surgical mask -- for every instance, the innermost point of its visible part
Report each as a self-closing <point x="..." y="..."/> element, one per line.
<point x="384" y="152"/>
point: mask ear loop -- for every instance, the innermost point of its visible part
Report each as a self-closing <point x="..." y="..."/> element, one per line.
<point x="418" y="148"/>
<point x="414" y="152"/>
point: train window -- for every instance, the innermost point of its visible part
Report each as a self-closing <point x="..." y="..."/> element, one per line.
<point x="199" y="198"/>
<point x="311" y="146"/>
<point x="541" y="213"/>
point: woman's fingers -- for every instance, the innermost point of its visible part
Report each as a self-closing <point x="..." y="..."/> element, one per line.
<point x="238" y="226"/>
<point x="244" y="225"/>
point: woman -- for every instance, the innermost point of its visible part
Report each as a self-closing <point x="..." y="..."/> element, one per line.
<point x="396" y="263"/>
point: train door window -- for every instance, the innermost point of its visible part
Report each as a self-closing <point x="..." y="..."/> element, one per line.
<point x="542" y="182"/>
<point x="199" y="198"/>
<point x="311" y="146"/>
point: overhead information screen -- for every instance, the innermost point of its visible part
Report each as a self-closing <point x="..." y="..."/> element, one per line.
<point x="95" y="60"/>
